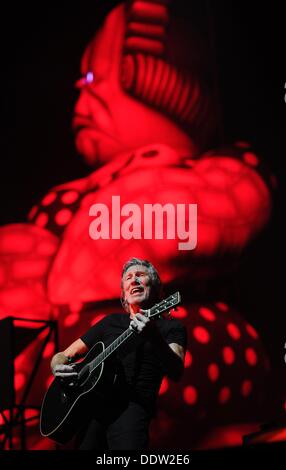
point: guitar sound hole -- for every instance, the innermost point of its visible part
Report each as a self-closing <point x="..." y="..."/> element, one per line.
<point x="83" y="376"/>
<point x="68" y="392"/>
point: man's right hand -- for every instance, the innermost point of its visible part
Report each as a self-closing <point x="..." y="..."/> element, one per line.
<point x="66" y="373"/>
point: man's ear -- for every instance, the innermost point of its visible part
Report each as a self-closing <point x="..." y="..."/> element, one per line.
<point x="122" y="300"/>
<point x="161" y="292"/>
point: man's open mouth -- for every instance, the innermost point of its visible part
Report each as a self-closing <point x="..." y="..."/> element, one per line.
<point x="137" y="290"/>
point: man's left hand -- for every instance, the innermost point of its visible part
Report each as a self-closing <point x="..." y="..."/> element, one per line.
<point x="140" y="323"/>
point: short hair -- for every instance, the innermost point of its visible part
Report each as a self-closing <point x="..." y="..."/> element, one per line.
<point x="156" y="281"/>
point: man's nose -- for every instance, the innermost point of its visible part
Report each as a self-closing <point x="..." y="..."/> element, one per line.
<point x="135" y="280"/>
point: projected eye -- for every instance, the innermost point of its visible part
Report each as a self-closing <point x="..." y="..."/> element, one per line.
<point x="89" y="77"/>
<point x="86" y="79"/>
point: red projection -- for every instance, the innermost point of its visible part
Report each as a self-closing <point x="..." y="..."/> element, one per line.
<point x="144" y="119"/>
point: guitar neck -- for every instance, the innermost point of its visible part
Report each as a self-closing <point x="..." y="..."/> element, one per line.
<point x="112" y="347"/>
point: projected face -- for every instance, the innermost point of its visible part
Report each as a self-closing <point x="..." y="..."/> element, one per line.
<point x="108" y="121"/>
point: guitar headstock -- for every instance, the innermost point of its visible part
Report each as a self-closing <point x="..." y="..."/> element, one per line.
<point x="166" y="304"/>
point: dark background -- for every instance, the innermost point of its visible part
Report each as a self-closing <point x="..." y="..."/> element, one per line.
<point x="41" y="47"/>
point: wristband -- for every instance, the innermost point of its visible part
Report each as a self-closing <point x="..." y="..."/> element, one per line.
<point x="69" y="359"/>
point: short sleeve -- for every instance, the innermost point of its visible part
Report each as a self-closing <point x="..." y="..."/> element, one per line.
<point x="177" y="333"/>
<point x="94" y="334"/>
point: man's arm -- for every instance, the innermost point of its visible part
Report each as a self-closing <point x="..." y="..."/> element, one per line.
<point x="172" y="355"/>
<point x="60" y="363"/>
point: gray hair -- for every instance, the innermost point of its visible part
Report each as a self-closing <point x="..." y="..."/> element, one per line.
<point x="155" y="278"/>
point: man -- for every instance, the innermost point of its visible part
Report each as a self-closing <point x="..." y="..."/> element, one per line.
<point x="157" y="349"/>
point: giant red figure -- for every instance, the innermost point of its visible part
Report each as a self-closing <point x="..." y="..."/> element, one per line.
<point x="145" y="120"/>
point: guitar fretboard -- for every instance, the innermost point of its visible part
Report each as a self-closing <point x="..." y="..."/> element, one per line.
<point x="111" y="348"/>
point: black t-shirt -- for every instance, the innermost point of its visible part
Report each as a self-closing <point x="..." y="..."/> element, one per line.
<point x="138" y="363"/>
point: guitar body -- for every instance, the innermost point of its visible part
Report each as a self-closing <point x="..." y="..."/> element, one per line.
<point x="62" y="408"/>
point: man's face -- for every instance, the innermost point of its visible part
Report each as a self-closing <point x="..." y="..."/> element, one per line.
<point x="137" y="285"/>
